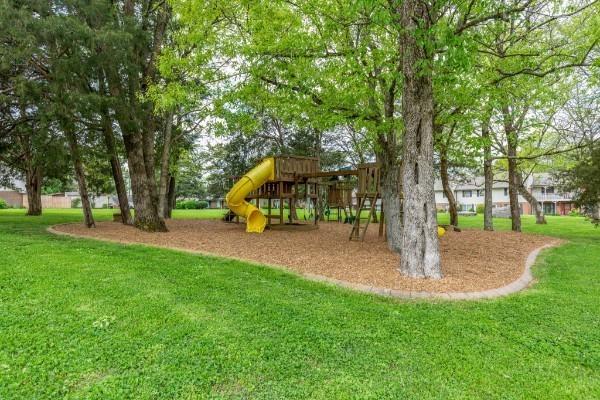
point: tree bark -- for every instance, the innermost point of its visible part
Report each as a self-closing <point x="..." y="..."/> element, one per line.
<point x="535" y="205"/>
<point x="388" y="156"/>
<point x="137" y="119"/>
<point x="115" y="163"/>
<point x="513" y="191"/>
<point x="163" y="185"/>
<point x="488" y="174"/>
<point x="171" y="195"/>
<point x="452" y="209"/>
<point x="391" y="198"/>
<point x="143" y="187"/>
<point x="420" y="245"/>
<point x="136" y="138"/>
<point x="88" y="218"/>
<point x="293" y="216"/>
<point x="513" y="179"/>
<point x="33" y="186"/>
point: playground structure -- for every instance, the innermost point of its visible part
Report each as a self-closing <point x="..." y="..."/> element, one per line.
<point x="286" y="183"/>
<point x="367" y="195"/>
<point x="338" y="199"/>
<point x="278" y="181"/>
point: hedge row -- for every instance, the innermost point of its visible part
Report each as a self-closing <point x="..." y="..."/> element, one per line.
<point x="191" y="204"/>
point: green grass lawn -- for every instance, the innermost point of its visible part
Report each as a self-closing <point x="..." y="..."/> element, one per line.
<point x="86" y="319"/>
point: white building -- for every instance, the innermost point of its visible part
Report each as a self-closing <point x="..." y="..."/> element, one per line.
<point x="470" y="194"/>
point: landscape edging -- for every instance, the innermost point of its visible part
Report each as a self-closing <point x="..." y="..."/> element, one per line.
<point x="519" y="284"/>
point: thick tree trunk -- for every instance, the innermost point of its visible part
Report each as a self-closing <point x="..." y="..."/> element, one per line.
<point x="391" y="197"/>
<point x="388" y="157"/>
<point x="420" y="245"/>
<point x="115" y="165"/>
<point x="33" y="186"/>
<point x="143" y="187"/>
<point x="488" y="174"/>
<point x="137" y="126"/>
<point x="88" y="217"/>
<point x="452" y="209"/>
<point x="163" y="185"/>
<point x="535" y="205"/>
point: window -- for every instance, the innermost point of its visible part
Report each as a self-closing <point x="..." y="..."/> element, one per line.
<point x="480" y="193"/>
<point x="467" y="207"/>
<point x="550" y="190"/>
<point x="467" y="193"/>
<point x="506" y="191"/>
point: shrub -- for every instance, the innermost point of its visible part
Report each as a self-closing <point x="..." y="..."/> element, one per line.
<point x="189" y="205"/>
<point x="202" y="204"/>
<point x="574" y="213"/>
<point x="480" y="208"/>
<point x="3" y="204"/>
<point x="76" y="203"/>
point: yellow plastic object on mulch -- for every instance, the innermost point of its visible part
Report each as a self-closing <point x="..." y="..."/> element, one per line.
<point x="441" y="231"/>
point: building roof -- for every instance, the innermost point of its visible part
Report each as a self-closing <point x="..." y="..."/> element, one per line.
<point x="475" y="183"/>
<point x="478" y="182"/>
<point x="542" y="179"/>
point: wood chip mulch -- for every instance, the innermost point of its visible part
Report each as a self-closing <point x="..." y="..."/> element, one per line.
<point x="472" y="260"/>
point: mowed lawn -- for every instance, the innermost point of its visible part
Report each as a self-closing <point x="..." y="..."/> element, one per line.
<point x="85" y="319"/>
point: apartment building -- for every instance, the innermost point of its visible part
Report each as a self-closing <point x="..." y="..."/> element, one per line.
<point x="471" y="193"/>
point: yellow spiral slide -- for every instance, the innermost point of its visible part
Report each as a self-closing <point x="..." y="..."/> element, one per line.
<point x="236" y="198"/>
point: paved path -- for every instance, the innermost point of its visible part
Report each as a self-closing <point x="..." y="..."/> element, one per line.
<point x="524" y="280"/>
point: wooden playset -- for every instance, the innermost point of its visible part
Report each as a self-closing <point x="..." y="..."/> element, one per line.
<point x="289" y="188"/>
<point x="283" y="183"/>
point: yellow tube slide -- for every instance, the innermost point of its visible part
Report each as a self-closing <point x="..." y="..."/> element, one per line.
<point x="236" y="198"/>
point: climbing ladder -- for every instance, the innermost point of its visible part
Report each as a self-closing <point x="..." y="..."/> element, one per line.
<point x="367" y="202"/>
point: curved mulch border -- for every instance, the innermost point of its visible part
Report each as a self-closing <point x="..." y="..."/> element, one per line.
<point x="523" y="282"/>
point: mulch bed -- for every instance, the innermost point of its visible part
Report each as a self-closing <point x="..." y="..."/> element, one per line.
<point x="472" y="260"/>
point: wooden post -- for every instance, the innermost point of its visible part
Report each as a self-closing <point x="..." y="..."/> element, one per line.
<point x="281" y="203"/>
<point x="269" y="211"/>
<point x="381" y="219"/>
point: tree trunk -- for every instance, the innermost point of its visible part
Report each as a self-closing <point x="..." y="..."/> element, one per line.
<point x="33" y="186"/>
<point x="391" y="198"/>
<point x="88" y="218"/>
<point x="293" y="216"/>
<point x="388" y="156"/>
<point x="447" y="189"/>
<point x="420" y="245"/>
<point x="146" y="215"/>
<point x="513" y="174"/>
<point x="375" y="218"/>
<point x="115" y="165"/>
<point x="138" y="138"/>
<point x="535" y="205"/>
<point x="513" y="192"/>
<point x="488" y="174"/>
<point x="171" y="196"/>
<point x="163" y="185"/>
